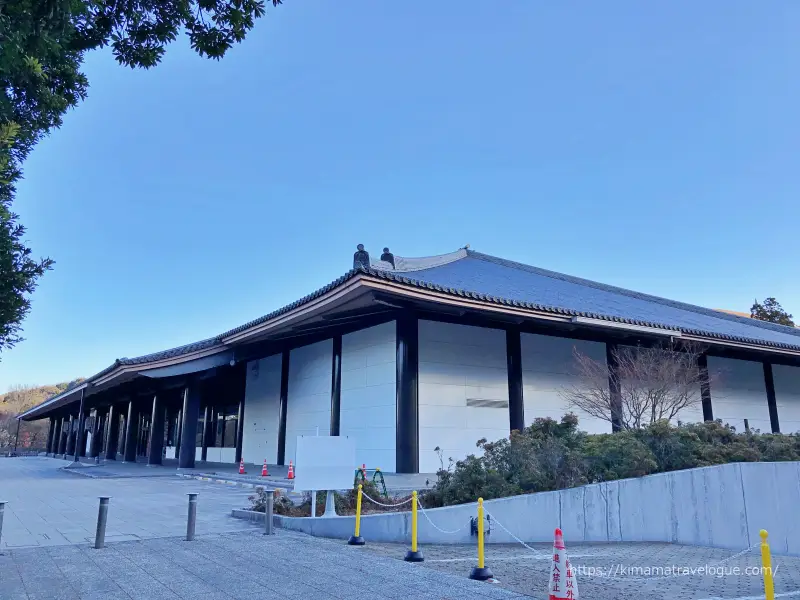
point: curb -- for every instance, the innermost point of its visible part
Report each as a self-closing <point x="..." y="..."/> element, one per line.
<point x="243" y="484"/>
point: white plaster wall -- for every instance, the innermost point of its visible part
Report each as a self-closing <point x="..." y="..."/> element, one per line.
<point x="457" y="363"/>
<point x="548" y="367"/>
<point x="309" y="401"/>
<point x="218" y="455"/>
<point x="262" y="410"/>
<point x="368" y="397"/>
<point x="738" y="392"/>
<point x="787" y="397"/>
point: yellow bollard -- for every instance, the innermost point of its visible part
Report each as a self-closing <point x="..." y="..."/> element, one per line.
<point x="356" y="539"/>
<point x="481" y="572"/>
<point x="414" y="555"/>
<point x="766" y="563"/>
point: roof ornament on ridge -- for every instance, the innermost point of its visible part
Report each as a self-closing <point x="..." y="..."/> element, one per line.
<point x="388" y="257"/>
<point x="361" y="258"/>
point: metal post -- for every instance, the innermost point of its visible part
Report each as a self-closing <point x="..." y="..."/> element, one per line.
<point x="192" y="519"/>
<point x="356" y="539"/>
<point x="268" y="510"/>
<point x="766" y="564"/>
<point x="2" y="510"/>
<point x="481" y="572"/>
<point x="102" y="519"/>
<point x="414" y="555"/>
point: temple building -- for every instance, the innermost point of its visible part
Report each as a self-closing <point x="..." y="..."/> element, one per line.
<point x="407" y="355"/>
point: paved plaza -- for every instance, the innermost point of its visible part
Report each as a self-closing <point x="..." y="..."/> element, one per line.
<point x="51" y="516"/>
<point x="47" y="506"/>
<point x="226" y="566"/>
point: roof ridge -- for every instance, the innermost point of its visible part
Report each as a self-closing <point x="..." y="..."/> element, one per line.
<point x="709" y="312"/>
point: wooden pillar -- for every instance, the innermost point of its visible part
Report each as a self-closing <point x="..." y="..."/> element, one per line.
<point x="156" y="443"/>
<point x="336" y="386"/>
<point x="516" y="405"/>
<point x="705" y="388"/>
<point x="207" y="428"/>
<point x="284" y="405"/>
<point x="50" y="431"/>
<point x="70" y="437"/>
<point x="769" y="383"/>
<point x="80" y="442"/>
<point x="131" y="432"/>
<point x="614" y="387"/>
<point x="407" y="398"/>
<point x="239" y="378"/>
<point x="191" y="414"/>
<point x="112" y="435"/>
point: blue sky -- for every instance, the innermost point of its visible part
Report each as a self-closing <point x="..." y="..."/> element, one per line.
<point x="649" y="145"/>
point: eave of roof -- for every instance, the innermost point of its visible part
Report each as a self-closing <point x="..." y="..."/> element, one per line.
<point x="219" y="342"/>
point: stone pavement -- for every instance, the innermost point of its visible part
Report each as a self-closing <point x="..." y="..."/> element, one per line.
<point x="48" y="506"/>
<point x="226" y="566"/>
<point x="604" y="570"/>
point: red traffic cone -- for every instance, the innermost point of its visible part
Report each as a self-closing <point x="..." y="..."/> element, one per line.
<point x="563" y="585"/>
<point x="364" y="471"/>
<point x="291" y="471"/>
<point x="241" y="467"/>
<point x="264" y="472"/>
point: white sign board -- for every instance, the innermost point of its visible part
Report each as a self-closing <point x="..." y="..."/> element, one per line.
<point x="324" y="463"/>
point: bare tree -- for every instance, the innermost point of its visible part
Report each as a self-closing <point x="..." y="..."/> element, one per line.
<point x="654" y="383"/>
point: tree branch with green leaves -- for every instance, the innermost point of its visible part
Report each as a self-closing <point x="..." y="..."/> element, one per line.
<point x="42" y="47"/>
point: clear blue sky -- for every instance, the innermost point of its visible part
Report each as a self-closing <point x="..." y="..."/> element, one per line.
<point x="648" y="145"/>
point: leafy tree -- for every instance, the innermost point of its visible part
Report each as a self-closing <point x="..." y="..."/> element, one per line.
<point x="42" y="46"/>
<point x="772" y="311"/>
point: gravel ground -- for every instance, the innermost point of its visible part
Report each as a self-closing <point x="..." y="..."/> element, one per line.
<point x="604" y="570"/>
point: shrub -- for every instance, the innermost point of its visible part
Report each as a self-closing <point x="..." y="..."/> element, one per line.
<point x="617" y="456"/>
<point x="550" y="455"/>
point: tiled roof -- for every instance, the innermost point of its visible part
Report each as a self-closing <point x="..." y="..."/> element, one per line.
<point x="507" y="282"/>
<point x="470" y="274"/>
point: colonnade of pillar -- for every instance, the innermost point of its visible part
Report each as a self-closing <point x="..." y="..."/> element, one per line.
<point x="174" y="412"/>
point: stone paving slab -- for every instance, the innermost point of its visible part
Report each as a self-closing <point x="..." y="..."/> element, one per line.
<point x="47" y="506"/>
<point x="226" y="566"/>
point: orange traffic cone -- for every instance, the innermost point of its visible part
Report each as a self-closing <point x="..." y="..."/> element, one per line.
<point x="291" y="471"/>
<point x="241" y="467"/>
<point x="264" y="472"/>
<point x="563" y="585"/>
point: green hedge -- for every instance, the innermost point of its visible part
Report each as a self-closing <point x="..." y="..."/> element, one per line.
<point x="549" y="455"/>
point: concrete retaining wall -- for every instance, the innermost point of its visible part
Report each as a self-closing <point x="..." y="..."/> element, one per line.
<point x="723" y="506"/>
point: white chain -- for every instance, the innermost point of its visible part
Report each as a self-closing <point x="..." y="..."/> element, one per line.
<point x="501" y="526"/>
<point x="609" y="575"/>
<point x="683" y="573"/>
<point x="425" y="514"/>
<point x="406" y="501"/>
